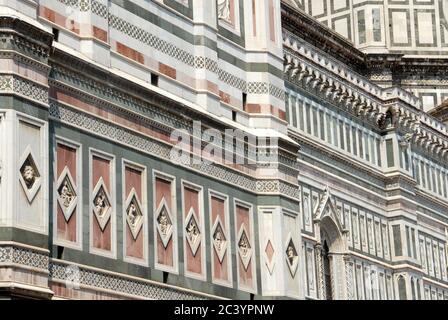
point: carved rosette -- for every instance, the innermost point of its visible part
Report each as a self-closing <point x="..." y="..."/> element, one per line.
<point x="134" y="215"/>
<point x="244" y="247"/>
<point x="66" y="193"/>
<point x="29" y="174"/>
<point x="219" y="239"/>
<point x="164" y="222"/>
<point x="102" y="207"/>
<point x="193" y="232"/>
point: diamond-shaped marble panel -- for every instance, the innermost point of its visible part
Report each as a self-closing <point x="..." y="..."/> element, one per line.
<point x="292" y="257"/>
<point x="164" y="222"/>
<point x="219" y="239"/>
<point x="244" y="247"/>
<point x="269" y="252"/>
<point x="193" y="233"/>
<point x="67" y="197"/>
<point x="134" y="215"/>
<point x="29" y="174"/>
<point x="101" y="204"/>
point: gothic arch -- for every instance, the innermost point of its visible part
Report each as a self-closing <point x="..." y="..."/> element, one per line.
<point x="332" y="234"/>
<point x="328" y="223"/>
<point x="331" y="249"/>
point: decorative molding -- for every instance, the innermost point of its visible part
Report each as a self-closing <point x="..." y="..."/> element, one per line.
<point x="306" y="67"/>
<point x="14" y="84"/>
<point x="158" y="43"/>
<point x="124" y="285"/>
<point x="25" y="257"/>
<point x="162" y="150"/>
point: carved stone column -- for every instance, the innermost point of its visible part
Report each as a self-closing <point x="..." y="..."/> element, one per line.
<point x="348" y="278"/>
<point x="320" y="272"/>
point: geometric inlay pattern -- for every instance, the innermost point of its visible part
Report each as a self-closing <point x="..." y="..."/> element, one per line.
<point x="124" y="136"/>
<point x="124" y="284"/>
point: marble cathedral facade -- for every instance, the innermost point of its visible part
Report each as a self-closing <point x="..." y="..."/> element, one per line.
<point x="355" y="206"/>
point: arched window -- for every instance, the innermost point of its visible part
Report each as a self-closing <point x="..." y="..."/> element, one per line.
<point x="327" y="272"/>
<point x="419" y="290"/>
<point x="414" y="296"/>
<point x="402" y="288"/>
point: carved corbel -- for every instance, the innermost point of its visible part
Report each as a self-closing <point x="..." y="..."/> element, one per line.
<point x="286" y="68"/>
<point x="294" y="72"/>
<point x="330" y="89"/>
<point x="288" y="63"/>
<point x="323" y="86"/>
<point x="406" y="140"/>
<point x="310" y="77"/>
<point x="336" y="93"/>
<point x="316" y="81"/>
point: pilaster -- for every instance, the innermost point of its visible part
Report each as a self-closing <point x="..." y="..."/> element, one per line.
<point x="24" y="157"/>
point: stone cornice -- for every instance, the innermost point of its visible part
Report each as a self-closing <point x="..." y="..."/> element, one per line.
<point x="338" y="92"/>
<point x="128" y="89"/>
<point x="99" y="279"/>
<point x="343" y="84"/>
<point x="161" y="150"/>
<point x="337" y="156"/>
<point x="322" y="37"/>
<point x="309" y="69"/>
<point x="157" y="116"/>
<point x="420" y="66"/>
<point x="29" y="36"/>
<point x="440" y="112"/>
